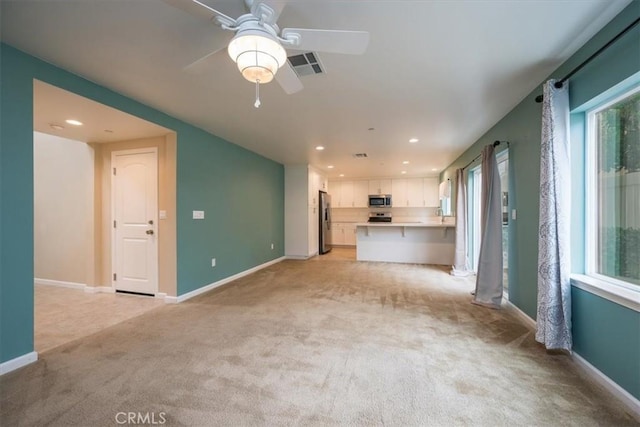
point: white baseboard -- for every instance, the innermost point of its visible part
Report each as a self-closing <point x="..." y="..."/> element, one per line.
<point x="73" y="285"/>
<point x="59" y="283"/>
<point x="206" y="288"/>
<point x="99" y="290"/>
<point x="298" y="257"/>
<point x="528" y="321"/>
<point x="623" y="395"/>
<point x="18" y="362"/>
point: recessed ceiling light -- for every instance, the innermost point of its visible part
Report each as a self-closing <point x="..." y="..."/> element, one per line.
<point x="434" y="169"/>
<point x="406" y="162"/>
<point x="403" y="172"/>
<point x="319" y="148"/>
<point x="413" y="140"/>
<point x="74" y="122"/>
<point x="341" y="175"/>
<point x="330" y="166"/>
<point x="55" y="126"/>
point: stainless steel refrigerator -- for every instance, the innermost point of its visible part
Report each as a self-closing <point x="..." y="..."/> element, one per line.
<point x="325" y="222"/>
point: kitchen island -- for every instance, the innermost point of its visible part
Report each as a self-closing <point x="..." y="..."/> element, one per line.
<point x="406" y="242"/>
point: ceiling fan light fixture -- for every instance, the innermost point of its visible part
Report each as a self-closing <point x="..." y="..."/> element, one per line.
<point x="257" y="54"/>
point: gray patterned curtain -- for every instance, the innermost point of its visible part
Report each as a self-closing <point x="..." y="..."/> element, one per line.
<point x="553" y="323"/>
<point x="489" y="278"/>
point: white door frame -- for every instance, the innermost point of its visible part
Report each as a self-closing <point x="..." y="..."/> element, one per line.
<point x="114" y="154"/>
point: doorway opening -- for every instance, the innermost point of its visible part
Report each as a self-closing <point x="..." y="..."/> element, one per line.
<point x="74" y="295"/>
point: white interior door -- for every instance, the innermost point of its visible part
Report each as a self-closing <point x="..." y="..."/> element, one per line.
<point x="134" y="205"/>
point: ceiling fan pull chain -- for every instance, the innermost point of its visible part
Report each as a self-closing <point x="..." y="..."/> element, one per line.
<point x="257" y="104"/>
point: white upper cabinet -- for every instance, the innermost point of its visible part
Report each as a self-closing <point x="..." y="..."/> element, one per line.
<point x="317" y="183"/>
<point x="313" y="187"/>
<point x="349" y="194"/>
<point x="380" y="186"/>
<point x="360" y="194"/>
<point x="334" y="192"/>
<point x="346" y="194"/>
<point x="405" y="192"/>
<point x="431" y="194"/>
<point x="399" y="193"/>
<point x="415" y="193"/>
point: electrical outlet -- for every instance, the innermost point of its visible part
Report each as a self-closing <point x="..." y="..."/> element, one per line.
<point x="198" y="214"/>
<point x="272" y="246"/>
<point x="213" y="262"/>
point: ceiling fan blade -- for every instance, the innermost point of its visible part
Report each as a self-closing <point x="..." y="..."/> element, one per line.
<point x="288" y="79"/>
<point x="195" y="8"/>
<point x="332" y="41"/>
<point x="203" y="64"/>
<point x="270" y="13"/>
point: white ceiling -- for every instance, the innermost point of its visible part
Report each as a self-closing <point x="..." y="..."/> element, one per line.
<point x="100" y="123"/>
<point x="441" y="71"/>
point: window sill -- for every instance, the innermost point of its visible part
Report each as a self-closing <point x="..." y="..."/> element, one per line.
<point x="625" y="297"/>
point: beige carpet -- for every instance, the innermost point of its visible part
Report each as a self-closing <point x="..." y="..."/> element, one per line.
<point x="63" y="315"/>
<point x="324" y="342"/>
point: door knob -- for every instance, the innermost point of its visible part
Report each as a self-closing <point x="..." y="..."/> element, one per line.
<point x="149" y="231"/>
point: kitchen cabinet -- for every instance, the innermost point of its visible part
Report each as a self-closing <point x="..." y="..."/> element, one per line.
<point x="334" y="192"/>
<point x="380" y="186"/>
<point x="349" y="194"/>
<point x="399" y="193"/>
<point x="405" y="192"/>
<point x="360" y="194"/>
<point x="346" y="194"/>
<point x="349" y="234"/>
<point x="431" y="194"/>
<point x="415" y="192"/>
<point x="343" y="234"/>
<point x="313" y="241"/>
<point x="337" y="234"/>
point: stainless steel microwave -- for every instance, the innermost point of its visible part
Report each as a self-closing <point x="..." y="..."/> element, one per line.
<point x="380" y="200"/>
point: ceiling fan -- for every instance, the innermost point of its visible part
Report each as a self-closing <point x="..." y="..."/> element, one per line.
<point x="258" y="47"/>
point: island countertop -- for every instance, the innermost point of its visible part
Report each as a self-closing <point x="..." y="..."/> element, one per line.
<point x="406" y="224"/>
<point x="429" y="242"/>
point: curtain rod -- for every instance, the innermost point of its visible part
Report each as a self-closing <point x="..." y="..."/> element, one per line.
<point x="495" y="144"/>
<point x="559" y="83"/>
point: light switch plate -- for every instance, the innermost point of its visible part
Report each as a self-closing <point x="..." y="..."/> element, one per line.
<point x="198" y="214"/>
<point x="162" y="214"/>
<point x="513" y="214"/>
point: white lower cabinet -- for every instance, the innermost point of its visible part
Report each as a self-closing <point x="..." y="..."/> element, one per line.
<point x="350" y="234"/>
<point x="337" y="234"/>
<point x="343" y="234"/>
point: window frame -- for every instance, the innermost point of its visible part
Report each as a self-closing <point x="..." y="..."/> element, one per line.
<point x="616" y="290"/>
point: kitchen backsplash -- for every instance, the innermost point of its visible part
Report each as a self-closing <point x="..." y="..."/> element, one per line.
<point x="399" y="214"/>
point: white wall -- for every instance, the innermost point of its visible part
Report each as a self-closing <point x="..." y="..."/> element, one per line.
<point x="63" y="209"/>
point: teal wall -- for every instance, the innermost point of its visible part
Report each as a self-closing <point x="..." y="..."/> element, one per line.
<point x="243" y="199"/>
<point x="241" y="192"/>
<point x="605" y="334"/>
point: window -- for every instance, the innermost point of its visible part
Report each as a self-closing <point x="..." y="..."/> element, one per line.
<point x="613" y="191"/>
